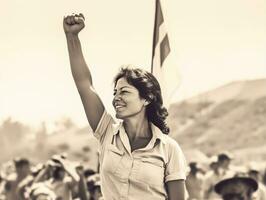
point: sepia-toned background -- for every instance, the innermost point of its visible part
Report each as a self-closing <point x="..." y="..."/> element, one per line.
<point x="219" y="48"/>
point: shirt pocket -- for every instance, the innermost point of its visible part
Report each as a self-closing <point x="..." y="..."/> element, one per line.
<point x="151" y="171"/>
<point x="112" y="159"/>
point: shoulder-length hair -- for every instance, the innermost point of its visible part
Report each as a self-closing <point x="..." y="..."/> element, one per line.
<point x="149" y="89"/>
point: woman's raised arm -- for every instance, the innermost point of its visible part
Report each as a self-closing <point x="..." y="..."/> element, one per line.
<point x="92" y="103"/>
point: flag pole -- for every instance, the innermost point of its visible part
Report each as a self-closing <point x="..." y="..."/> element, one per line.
<point x="154" y="33"/>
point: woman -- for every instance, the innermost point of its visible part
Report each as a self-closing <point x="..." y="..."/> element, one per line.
<point x="137" y="160"/>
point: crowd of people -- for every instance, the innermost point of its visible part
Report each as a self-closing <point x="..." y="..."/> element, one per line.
<point x="62" y="179"/>
<point x="221" y="180"/>
<point x="57" y="179"/>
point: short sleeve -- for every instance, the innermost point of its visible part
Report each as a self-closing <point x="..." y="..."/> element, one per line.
<point x="104" y="126"/>
<point x="176" y="166"/>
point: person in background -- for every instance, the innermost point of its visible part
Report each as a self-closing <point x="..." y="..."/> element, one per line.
<point x="194" y="182"/>
<point x="94" y="187"/>
<point x="54" y="176"/>
<point x="22" y="166"/>
<point x="2" y="183"/>
<point x="264" y="177"/>
<point x="83" y="192"/>
<point x="39" y="191"/>
<point x="224" y="160"/>
<point x="138" y="160"/>
<point x="26" y="183"/>
<point x="254" y="173"/>
<point x="236" y="186"/>
<point x="211" y="178"/>
<point x="88" y="172"/>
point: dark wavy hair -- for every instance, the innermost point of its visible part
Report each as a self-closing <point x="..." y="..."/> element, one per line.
<point x="149" y="89"/>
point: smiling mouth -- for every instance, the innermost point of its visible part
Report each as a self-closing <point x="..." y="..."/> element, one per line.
<point x="117" y="107"/>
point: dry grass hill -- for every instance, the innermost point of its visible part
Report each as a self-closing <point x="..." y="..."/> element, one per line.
<point x="230" y="118"/>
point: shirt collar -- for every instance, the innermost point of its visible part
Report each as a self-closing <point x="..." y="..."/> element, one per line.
<point x="157" y="133"/>
<point x="116" y="127"/>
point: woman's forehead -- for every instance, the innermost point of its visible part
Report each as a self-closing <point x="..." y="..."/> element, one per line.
<point x="122" y="83"/>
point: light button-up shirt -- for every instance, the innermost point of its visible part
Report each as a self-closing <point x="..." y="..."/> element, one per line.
<point x="140" y="174"/>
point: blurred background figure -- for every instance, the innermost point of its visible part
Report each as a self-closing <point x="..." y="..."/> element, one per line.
<point x="224" y="160"/>
<point x="236" y="186"/>
<point x="26" y="183"/>
<point x="83" y="192"/>
<point x="22" y="170"/>
<point x="57" y="179"/>
<point x="254" y="172"/>
<point x="2" y="182"/>
<point x="94" y="187"/>
<point x="58" y="176"/>
<point x="39" y="191"/>
<point x="194" y="182"/>
<point x="211" y="178"/>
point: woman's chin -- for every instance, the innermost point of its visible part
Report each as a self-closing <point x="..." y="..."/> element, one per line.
<point x="118" y="116"/>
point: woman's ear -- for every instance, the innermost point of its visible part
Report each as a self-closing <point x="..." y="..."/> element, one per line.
<point x="151" y="97"/>
<point x="148" y="99"/>
<point x="146" y="102"/>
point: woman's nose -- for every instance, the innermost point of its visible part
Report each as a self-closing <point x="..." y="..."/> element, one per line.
<point x="117" y="97"/>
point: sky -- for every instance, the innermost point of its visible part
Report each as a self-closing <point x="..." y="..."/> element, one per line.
<point x="213" y="43"/>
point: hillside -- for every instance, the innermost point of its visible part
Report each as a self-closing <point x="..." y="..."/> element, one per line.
<point x="241" y="90"/>
<point x="230" y="118"/>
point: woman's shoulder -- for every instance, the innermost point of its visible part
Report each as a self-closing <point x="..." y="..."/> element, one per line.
<point x="171" y="145"/>
<point x="107" y="120"/>
<point x="106" y="128"/>
<point x="169" y="140"/>
<point x="165" y="138"/>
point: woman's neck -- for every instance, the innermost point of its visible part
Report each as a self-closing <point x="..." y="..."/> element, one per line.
<point x="137" y="127"/>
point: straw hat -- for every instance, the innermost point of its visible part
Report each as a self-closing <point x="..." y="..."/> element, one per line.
<point x="233" y="182"/>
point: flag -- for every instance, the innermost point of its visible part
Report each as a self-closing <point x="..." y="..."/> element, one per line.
<point x="163" y="67"/>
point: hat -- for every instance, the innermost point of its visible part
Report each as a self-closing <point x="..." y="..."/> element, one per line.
<point x="93" y="181"/>
<point x="254" y="168"/>
<point x="54" y="163"/>
<point x="88" y="172"/>
<point x="21" y="161"/>
<point x="58" y="158"/>
<point x="225" y="155"/>
<point x="195" y="165"/>
<point x="235" y="178"/>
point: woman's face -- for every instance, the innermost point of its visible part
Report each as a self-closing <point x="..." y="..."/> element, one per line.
<point x="127" y="101"/>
